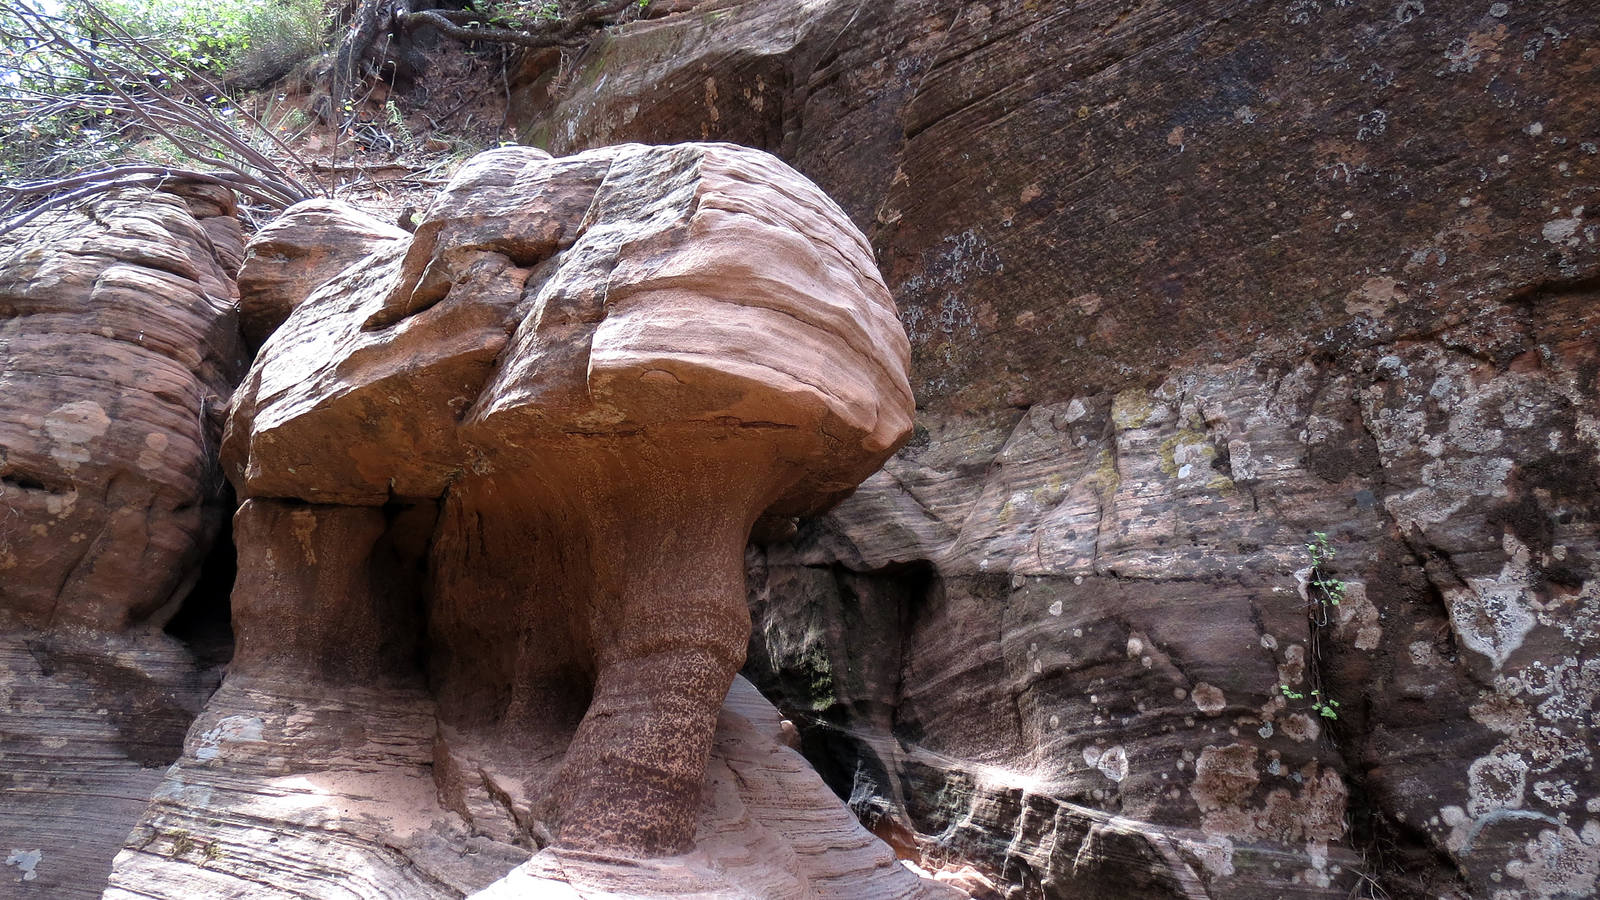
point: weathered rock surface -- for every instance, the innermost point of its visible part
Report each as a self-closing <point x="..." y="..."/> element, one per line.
<point x="119" y="349"/>
<point x="498" y="482"/>
<point x="291" y="256"/>
<point x="1184" y="285"/>
<point x="88" y="725"/>
<point x="118" y="353"/>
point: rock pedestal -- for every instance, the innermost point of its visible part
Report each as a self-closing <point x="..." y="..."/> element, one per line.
<point x="501" y="475"/>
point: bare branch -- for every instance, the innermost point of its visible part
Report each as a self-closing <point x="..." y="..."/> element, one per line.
<point x="89" y="184"/>
<point x="148" y="89"/>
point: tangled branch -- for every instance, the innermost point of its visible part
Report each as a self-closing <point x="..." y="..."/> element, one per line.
<point x="553" y="31"/>
<point x="38" y="197"/>
<point x="553" y="24"/>
<point x="134" y="84"/>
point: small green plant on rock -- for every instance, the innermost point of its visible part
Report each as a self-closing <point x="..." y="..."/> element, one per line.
<point x="1322" y="588"/>
<point x="1326" y="707"/>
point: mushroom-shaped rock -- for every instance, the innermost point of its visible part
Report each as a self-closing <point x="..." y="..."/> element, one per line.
<point x="607" y="367"/>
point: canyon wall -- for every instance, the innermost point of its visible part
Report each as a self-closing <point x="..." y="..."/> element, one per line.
<point x="1244" y="544"/>
<point x="1187" y="285"/>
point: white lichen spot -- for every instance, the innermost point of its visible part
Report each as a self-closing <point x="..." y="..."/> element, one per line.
<point x="1371" y="125"/>
<point x="1055" y="608"/>
<point x="231" y="729"/>
<point x="1560" y="863"/>
<point x="1113" y="763"/>
<point x="1317" y="852"/>
<point x="1293" y="668"/>
<point x="27" y="861"/>
<point x="71" y="427"/>
<point x="1358" y="615"/>
<point x="1491" y="616"/>
<point x="1555" y="793"/>
<point x="1560" y="231"/>
<point x="1497" y="781"/>
<point x="1208" y="698"/>
<point x="1300" y="728"/>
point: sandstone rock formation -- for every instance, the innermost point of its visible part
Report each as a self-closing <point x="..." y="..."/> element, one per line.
<point x="291" y="256"/>
<point x="498" y="477"/>
<point x="1186" y="284"/>
<point x="120" y="353"/>
<point x="119" y="349"/>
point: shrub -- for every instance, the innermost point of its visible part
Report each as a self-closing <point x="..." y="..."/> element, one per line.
<point x="83" y="86"/>
<point x="250" y="42"/>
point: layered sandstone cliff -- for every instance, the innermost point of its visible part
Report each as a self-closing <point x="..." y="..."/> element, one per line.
<point x="1185" y="285"/>
<point x="119" y="350"/>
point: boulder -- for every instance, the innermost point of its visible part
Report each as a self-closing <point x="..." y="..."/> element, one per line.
<point x="292" y="255"/>
<point x="120" y="347"/>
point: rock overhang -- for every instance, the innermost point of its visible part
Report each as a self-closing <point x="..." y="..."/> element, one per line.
<point x="621" y="291"/>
